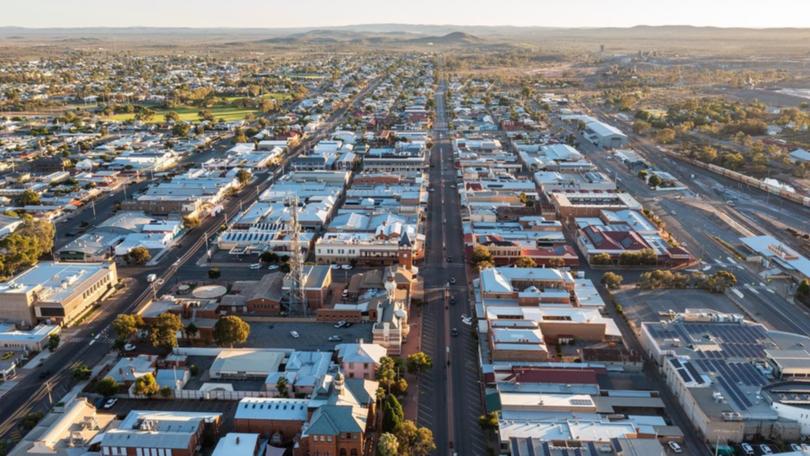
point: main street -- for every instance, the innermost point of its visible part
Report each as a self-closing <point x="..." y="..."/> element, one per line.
<point x="450" y="399"/>
<point x="38" y="390"/>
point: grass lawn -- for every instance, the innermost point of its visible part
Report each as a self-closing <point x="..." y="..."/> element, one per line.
<point x="189" y="114"/>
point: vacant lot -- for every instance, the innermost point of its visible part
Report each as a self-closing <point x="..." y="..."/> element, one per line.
<point x="190" y="114"/>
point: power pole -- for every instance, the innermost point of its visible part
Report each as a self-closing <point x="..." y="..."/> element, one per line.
<point x="297" y="297"/>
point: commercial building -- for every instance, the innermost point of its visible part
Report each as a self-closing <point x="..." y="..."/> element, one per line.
<point x="157" y="433"/>
<point x="56" y="292"/>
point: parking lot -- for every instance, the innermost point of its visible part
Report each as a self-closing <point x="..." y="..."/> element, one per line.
<point x="648" y="305"/>
<point x="311" y="336"/>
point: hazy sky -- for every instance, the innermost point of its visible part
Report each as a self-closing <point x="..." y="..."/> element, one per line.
<point x="315" y="13"/>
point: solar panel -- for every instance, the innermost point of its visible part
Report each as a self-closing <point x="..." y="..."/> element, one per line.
<point x="616" y="445"/>
<point x="692" y="371"/>
<point x="684" y="375"/>
<point x="675" y="362"/>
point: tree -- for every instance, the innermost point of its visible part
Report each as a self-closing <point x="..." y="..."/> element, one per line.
<point x="243" y="176"/>
<point x="269" y="257"/>
<point x="282" y="387"/>
<point x="665" y="136"/>
<point x="206" y="115"/>
<point x="80" y="371"/>
<point x="29" y="198"/>
<point x="230" y="330"/>
<point x="393" y="415"/>
<point x="525" y="262"/>
<point x="555" y="262"/>
<point x="415" y="441"/>
<point x="239" y="135"/>
<point x="803" y="291"/>
<point x="146" y="385"/>
<point x="22" y="248"/>
<point x="125" y="326"/>
<point x="388" y="445"/>
<point x="166" y="392"/>
<point x="419" y="362"/>
<point x="720" y="281"/>
<point x="53" y="341"/>
<point x="601" y="259"/>
<point x="191" y="221"/>
<point x="655" y="181"/>
<point x="611" y="280"/>
<point x="171" y="116"/>
<point x="107" y="386"/>
<point x="139" y="256"/>
<point x="488" y="421"/>
<point x="181" y="129"/>
<point x="163" y="331"/>
<point x="191" y="330"/>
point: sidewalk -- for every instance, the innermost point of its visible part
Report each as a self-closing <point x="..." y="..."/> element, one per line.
<point x="410" y="403"/>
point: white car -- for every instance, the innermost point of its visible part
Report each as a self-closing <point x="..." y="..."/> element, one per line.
<point x="346" y="267"/>
<point x="110" y="403"/>
<point x="272" y="267"/>
<point x="675" y="447"/>
<point x="795" y="447"/>
<point x="747" y="448"/>
<point x="339" y="324"/>
<point x="255" y="266"/>
<point x="294" y="334"/>
<point x="765" y="449"/>
<point x="335" y="266"/>
<point x="129" y="347"/>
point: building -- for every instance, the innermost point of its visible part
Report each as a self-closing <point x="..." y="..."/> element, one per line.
<point x="57" y="292"/>
<point x="732" y="377"/>
<point x="35" y="339"/>
<point x="239" y="444"/>
<point x="590" y="204"/>
<point x="158" y="433"/>
<point x="360" y="360"/>
<point x="603" y="135"/>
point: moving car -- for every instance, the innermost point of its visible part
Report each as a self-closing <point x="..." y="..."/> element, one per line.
<point x="452" y="280"/>
<point x="454" y="332"/>
<point x="335" y="338"/>
<point x="294" y="334"/>
<point x="129" y="347"/>
<point x="255" y="266"/>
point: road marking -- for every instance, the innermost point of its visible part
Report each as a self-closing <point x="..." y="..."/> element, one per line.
<point x="737" y="292"/>
<point x="769" y="290"/>
<point x="751" y="287"/>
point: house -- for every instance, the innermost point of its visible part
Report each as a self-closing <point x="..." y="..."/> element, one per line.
<point x="360" y="360"/>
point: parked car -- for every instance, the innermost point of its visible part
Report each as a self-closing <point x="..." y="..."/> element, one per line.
<point x="747" y="448"/>
<point x="454" y="332"/>
<point x="335" y="338"/>
<point x="765" y="449"/>
<point x="452" y="280"/>
<point x="272" y="267"/>
<point x="255" y="266"/>
<point x="346" y="267"/>
<point x="151" y="278"/>
<point x="294" y="334"/>
<point x="110" y="403"/>
<point x="795" y="447"/>
<point x="129" y="347"/>
<point x="348" y="324"/>
<point x="339" y="324"/>
<point x="675" y="447"/>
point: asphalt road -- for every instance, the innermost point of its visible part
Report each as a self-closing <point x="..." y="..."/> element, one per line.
<point x="450" y="393"/>
<point x="38" y="390"/>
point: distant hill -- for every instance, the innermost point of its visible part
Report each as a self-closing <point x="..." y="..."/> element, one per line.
<point x="453" y="38"/>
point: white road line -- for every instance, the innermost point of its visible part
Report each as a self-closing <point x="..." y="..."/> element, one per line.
<point x="737" y="292"/>
<point x="751" y="287"/>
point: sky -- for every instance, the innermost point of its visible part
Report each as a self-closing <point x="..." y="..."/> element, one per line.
<point x="320" y="13"/>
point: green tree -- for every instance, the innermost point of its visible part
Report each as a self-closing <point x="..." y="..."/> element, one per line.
<point x="22" y="248"/>
<point x="525" y="262"/>
<point x="611" y="280"/>
<point x="107" y="386"/>
<point x="166" y="392"/>
<point x="171" y="116"/>
<point x="80" y="371"/>
<point x="803" y="291"/>
<point x="393" y="415"/>
<point x="181" y="129"/>
<point x="53" y="341"/>
<point x="163" y="331"/>
<point x="139" y="256"/>
<point x="230" y="330"/>
<point x="655" y="181"/>
<point x="388" y="445"/>
<point x="191" y="330"/>
<point x="414" y="440"/>
<point x="720" y="281"/>
<point x="126" y="326"/>
<point x="419" y="362"/>
<point x="488" y="421"/>
<point x="146" y="385"/>
<point x="601" y="259"/>
<point x="191" y="221"/>
<point x="282" y="387"/>
<point x="243" y="176"/>
<point x="29" y="198"/>
<point x="206" y="115"/>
